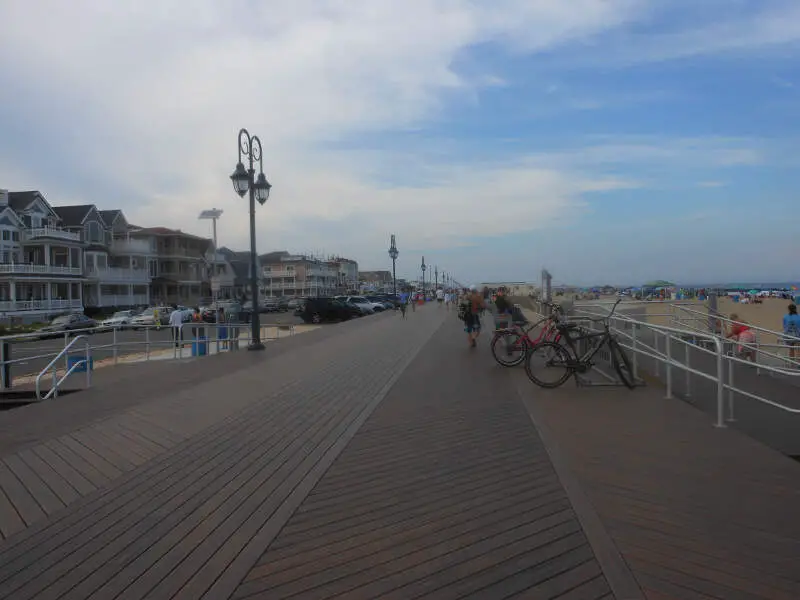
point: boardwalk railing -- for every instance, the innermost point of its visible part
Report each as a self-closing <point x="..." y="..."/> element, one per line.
<point x="670" y="348"/>
<point x="23" y="356"/>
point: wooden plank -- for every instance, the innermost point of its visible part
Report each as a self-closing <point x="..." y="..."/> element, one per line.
<point x="251" y="491"/>
<point x="60" y="486"/>
<point x="120" y="453"/>
<point x="37" y="488"/>
<point x="114" y="528"/>
<point x="410" y="525"/>
<point x="80" y="483"/>
<point x="143" y="428"/>
<point x="90" y="456"/>
<point x="137" y="491"/>
<point x="10" y="520"/>
<point x="63" y="448"/>
<point x="140" y="438"/>
<point x="22" y="499"/>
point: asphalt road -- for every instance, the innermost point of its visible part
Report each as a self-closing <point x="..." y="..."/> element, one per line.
<point x="30" y="357"/>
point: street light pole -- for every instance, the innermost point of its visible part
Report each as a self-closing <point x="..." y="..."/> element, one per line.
<point x="436" y="274"/>
<point x="244" y="181"/>
<point x="423" y="267"/>
<point x="393" y="253"/>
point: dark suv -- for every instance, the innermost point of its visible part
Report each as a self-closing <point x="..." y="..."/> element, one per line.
<point x="320" y="310"/>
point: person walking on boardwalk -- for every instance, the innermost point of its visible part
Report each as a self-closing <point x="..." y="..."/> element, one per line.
<point x="473" y="306"/>
<point x="403" y="303"/>
<point x="439" y="297"/>
<point x="175" y="323"/>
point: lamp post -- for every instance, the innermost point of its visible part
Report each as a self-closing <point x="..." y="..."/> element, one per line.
<point x="423" y="267"/>
<point x="393" y="254"/>
<point x="436" y="277"/>
<point x="244" y="181"/>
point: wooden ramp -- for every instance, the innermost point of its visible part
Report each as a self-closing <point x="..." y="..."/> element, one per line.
<point x="384" y="459"/>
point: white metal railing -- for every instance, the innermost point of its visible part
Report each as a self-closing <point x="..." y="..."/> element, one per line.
<point x="85" y="362"/>
<point x="31" y="305"/>
<point x="120" y="274"/>
<point x="110" y="346"/>
<point x="52" y="232"/>
<point x="669" y="337"/>
<point x="40" y="269"/>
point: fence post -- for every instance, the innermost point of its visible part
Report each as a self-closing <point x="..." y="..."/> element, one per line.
<point x="720" y="384"/>
<point x="114" y="342"/>
<point x="731" y="416"/>
<point x="688" y="374"/>
<point x="147" y="343"/>
<point x="668" y="340"/>
<point x="635" y="355"/>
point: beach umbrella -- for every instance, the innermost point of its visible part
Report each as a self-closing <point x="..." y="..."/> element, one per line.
<point x="753" y="292"/>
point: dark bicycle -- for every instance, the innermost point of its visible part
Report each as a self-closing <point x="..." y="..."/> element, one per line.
<point x="559" y="362"/>
<point x="510" y="345"/>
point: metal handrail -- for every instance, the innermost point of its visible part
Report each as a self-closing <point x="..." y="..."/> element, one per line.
<point x="676" y="334"/>
<point x="52" y="365"/>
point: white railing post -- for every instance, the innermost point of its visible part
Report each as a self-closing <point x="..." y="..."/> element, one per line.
<point x="635" y="351"/>
<point x="730" y="390"/>
<point x="720" y="384"/>
<point x="686" y="370"/>
<point x="114" y="343"/>
<point x="656" y="352"/>
<point x="668" y="367"/>
<point x="88" y="364"/>
<point x="146" y="343"/>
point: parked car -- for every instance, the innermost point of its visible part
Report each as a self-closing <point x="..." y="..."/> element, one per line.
<point x="382" y="301"/>
<point x="294" y="303"/>
<point x="359" y="310"/>
<point x="147" y="317"/>
<point x="320" y="310"/>
<point x="283" y="304"/>
<point x="361" y="300"/>
<point x="75" y="323"/>
<point x="119" y="320"/>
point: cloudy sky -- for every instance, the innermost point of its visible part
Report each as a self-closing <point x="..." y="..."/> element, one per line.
<point x="607" y="140"/>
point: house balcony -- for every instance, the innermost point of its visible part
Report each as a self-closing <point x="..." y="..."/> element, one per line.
<point x="119" y="275"/>
<point x="39" y="305"/>
<point x="34" y="269"/>
<point x="279" y="273"/>
<point x="126" y="246"/>
<point x="43" y="233"/>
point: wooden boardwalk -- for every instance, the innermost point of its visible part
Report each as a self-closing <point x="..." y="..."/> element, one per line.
<point x="384" y="459"/>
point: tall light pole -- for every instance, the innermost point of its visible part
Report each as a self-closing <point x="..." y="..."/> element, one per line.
<point x="436" y="275"/>
<point x="423" y="267"/>
<point x="245" y="180"/>
<point x="212" y="215"/>
<point x="393" y="253"/>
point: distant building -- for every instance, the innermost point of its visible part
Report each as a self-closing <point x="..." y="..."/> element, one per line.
<point x="347" y="273"/>
<point x="284" y="274"/>
<point x="376" y="281"/>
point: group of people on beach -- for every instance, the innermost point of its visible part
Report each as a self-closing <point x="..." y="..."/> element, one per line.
<point x="741" y="332"/>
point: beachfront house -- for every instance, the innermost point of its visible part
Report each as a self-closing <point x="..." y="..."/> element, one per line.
<point x="115" y="271"/>
<point x="41" y="271"/>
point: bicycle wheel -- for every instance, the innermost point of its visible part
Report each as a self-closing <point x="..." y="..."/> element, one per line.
<point x="509" y="348"/>
<point x="621" y="363"/>
<point x="548" y="365"/>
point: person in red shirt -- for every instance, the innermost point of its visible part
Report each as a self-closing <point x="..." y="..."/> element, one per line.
<point x="743" y="333"/>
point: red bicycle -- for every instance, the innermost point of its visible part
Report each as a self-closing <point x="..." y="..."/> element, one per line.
<point x="511" y="346"/>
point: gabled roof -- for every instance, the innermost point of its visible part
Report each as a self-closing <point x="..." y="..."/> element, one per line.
<point x="73" y="216"/>
<point x="109" y="216"/>
<point x="19" y="201"/>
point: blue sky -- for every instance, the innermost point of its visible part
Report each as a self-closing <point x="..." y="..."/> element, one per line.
<point x="607" y="140"/>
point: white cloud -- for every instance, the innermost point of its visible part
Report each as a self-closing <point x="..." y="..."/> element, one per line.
<point x="165" y="89"/>
<point x="152" y="92"/>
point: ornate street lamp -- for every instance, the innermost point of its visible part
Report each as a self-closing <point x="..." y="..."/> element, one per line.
<point x="423" y="267"/>
<point x="436" y="275"/>
<point x="393" y="253"/>
<point x="244" y="181"/>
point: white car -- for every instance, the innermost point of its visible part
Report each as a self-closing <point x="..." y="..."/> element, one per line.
<point x="361" y="301"/>
<point x="118" y="320"/>
<point x="147" y="317"/>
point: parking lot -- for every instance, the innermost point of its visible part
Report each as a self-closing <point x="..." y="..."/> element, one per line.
<point x="34" y="354"/>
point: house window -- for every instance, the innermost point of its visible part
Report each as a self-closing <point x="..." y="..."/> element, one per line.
<point x="94" y="232"/>
<point x="6" y="235"/>
<point x="15" y="236"/>
<point x="36" y="221"/>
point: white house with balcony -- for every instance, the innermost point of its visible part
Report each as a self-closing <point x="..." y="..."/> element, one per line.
<point x="284" y="274"/>
<point x="115" y="265"/>
<point x="41" y="272"/>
